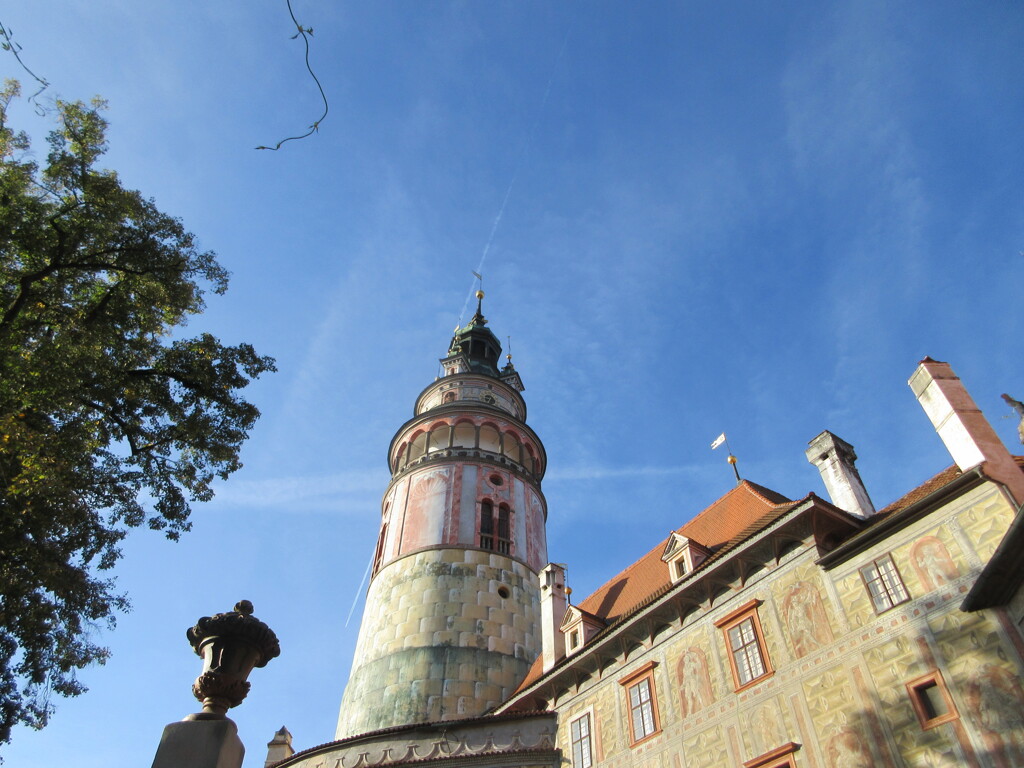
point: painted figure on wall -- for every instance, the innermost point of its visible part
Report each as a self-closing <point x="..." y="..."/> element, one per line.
<point x="694" y="682"/>
<point x="932" y="562"/>
<point x="428" y="503"/>
<point x="996" y="702"/>
<point x="805" y="618"/>
<point x="846" y="749"/>
<point x="766" y="729"/>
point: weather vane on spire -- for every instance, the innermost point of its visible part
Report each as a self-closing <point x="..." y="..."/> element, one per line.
<point x="731" y="459"/>
<point x="479" y="296"/>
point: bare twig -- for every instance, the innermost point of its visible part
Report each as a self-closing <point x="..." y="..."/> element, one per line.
<point x="8" y="44"/>
<point x="305" y="33"/>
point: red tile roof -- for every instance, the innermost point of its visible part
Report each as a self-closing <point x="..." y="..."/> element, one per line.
<point x="736" y="516"/>
<point x="714" y="527"/>
<point x="929" y="486"/>
<point x="946" y="476"/>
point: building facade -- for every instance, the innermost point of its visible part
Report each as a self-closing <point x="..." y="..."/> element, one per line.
<point x="765" y="632"/>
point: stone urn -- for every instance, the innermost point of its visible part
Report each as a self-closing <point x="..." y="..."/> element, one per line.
<point x="230" y="644"/>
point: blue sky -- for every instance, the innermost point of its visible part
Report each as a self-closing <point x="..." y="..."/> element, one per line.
<point x="741" y="216"/>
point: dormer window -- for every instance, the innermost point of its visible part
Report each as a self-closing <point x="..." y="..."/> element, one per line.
<point x="683" y="555"/>
<point x="579" y="626"/>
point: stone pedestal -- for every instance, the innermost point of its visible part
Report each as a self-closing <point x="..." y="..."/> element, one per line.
<point x="200" y="744"/>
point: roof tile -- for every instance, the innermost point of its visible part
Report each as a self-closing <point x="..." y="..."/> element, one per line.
<point x="716" y="526"/>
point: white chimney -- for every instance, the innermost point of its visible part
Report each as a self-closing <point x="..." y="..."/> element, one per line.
<point x="835" y="460"/>
<point x="279" y="748"/>
<point x="553" y="602"/>
<point x="968" y="436"/>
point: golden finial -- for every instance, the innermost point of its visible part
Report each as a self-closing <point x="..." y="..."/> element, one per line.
<point x="479" y="294"/>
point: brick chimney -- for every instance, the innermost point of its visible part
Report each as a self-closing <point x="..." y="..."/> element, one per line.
<point x="553" y="602"/>
<point x="968" y="436"/>
<point x="835" y="460"/>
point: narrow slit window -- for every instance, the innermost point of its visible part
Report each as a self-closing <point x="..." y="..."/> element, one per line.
<point x="486" y="525"/>
<point x="504" y="530"/>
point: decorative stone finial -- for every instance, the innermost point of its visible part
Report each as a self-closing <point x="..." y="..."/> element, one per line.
<point x="231" y="644"/>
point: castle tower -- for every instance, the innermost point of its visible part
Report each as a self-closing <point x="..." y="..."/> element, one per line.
<point x="452" y="617"/>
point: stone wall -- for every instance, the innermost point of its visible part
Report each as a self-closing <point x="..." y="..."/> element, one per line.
<point x="521" y="741"/>
<point x="440" y="639"/>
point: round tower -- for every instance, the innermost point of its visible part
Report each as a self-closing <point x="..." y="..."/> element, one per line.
<point x="452" y="617"/>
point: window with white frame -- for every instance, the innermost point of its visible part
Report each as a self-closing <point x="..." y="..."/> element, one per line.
<point x="884" y="584"/>
<point x="748" y="656"/>
<point x="746" y="651"/>
<point x="582" y="743"/>
<point x="642" y="701"/>
<point x="641" y="709"/>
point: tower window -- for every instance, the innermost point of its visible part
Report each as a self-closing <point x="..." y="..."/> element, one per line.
<point x="495" y="531"/>
<point x="486" y="525"/>
<point x="504" y="530"/>
<point x="378" y="556"/>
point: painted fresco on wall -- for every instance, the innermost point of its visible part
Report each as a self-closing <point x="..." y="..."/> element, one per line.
<point x="707" y="749"/>
<point x="986" y="522"/>
<point x="427" y="509"/>
<point x="996" y="704"/>
<point x="846" y="748"/>
<point x="931" y="561"/>
<point x="694" y="682"/>
<point x="805" y="618"/>
<point x="766" y="729"/>
<point x="536" y="543"/>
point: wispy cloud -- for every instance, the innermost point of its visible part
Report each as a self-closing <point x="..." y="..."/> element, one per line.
<point x="605" y="473"/>
<point x="342" y="493"/>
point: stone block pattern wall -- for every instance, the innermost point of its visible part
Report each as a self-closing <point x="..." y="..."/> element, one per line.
<point x="438" y="640"/>
<point x="839" y="689"/>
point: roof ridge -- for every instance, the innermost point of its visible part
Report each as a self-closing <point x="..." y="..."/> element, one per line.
<point x="763" y="491"/>
<point x="619" y="574"/>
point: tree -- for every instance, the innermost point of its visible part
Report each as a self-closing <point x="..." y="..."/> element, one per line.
<point x="107" y="422"/>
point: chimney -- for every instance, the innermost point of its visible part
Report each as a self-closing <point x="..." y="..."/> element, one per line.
<point x="968" y="436"/>
<point x="835" y="460"/>
<point x="279" y="748"/>
<point x="553" y="601"/>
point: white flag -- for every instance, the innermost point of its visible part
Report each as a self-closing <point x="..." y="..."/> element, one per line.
<point x="718" y="441"/>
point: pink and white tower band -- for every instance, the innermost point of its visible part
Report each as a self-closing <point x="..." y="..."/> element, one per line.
<point x="452" y="617"/>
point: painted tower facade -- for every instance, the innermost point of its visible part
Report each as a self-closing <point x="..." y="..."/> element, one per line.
<point x="452" y="618"/>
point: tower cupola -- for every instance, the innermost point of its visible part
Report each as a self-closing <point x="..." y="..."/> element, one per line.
<point x="474" y="348"/>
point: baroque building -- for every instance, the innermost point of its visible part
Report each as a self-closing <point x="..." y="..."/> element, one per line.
<point x="765" y="632"/>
